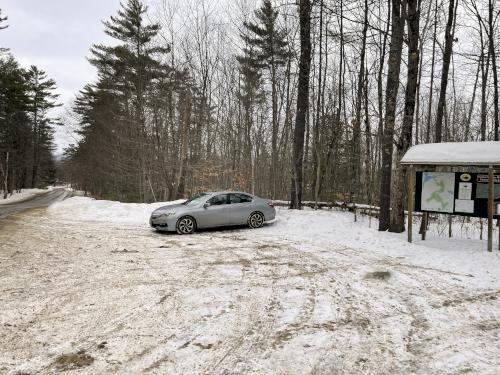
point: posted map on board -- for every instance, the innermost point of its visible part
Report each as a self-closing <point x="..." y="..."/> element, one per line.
<point x="438" y="191"/>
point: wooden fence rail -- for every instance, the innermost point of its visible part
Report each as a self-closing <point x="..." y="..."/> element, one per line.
<point x="362" y="209"/>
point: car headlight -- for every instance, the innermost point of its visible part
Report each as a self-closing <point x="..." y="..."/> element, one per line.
<point x="167" y="214"/>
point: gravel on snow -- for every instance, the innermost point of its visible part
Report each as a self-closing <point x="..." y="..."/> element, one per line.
<point x="87" y="287"/>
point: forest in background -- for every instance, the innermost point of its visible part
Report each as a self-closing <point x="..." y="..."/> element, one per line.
<point x="27" y="96"/>
<point x="313" y="100"/>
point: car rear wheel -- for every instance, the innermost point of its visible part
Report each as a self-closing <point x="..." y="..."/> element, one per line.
<point x="256" y="220"/>
<point x="186" y="225"/>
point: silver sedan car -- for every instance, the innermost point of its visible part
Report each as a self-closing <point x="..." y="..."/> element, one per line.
<point x="215" y="209"/>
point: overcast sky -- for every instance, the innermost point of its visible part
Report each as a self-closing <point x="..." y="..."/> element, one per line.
<point x="56" y="36"/>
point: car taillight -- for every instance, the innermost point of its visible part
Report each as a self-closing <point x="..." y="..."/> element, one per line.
<point x="271" y="204"/>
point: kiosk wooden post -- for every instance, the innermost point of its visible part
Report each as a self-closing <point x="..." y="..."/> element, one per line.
<point x="425" y="219"/>
<point x="411" y="187"/>
<point x="490" y="208"/>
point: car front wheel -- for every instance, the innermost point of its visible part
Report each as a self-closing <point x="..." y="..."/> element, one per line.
<point x="256" y="220"/>
<point x="186" y="225"/>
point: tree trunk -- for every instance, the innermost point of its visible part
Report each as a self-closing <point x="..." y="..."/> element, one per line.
<point x="485" y="67"/>
<point x="337" y="133"/>
<point x="431" y="87"/>
<point x="380" y="88"/>
<point x="448" y="46"/>
<point x="356" y="135"/>
<point x="274" y="140"/>
<point x="319" y="107"/>
<point x="418" y="130"/>
<point x="368" y="134"/>
<point x="404" y="143"/>
<point x="185" y="104"/>
<point x="34" y="170"/>
<point x="5" y="173"/>
<point x="471" y="107"/>
<point x="491" y="44"/>
<point x="394" y="64"/>
<point x="302" y="102"/>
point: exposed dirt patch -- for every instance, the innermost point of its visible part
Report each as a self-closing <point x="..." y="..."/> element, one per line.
<point x="185" y="345"/>
<point x="378" y="275"/>
<point x="243" y="262"/>
<point x="204" y="346"/>
<point x="282" y="337"/>
<point x="73" y="361"/>
<point x="102" y="345"/>
<point x="237" y="238"/>
<point x="482" y="297"/>
<point x="124" y="251"/>
<point x="266" y="246"/>
<point x="489" y="325"/>
<point x="163" y="299"/>
<point x="286" y="335"/>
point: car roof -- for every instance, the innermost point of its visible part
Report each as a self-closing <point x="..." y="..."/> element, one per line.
<point x="228" y="192"/>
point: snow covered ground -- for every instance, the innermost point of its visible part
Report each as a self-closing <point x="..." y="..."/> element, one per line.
<point x="19" y="196"/>
<point x="87" y="286"/>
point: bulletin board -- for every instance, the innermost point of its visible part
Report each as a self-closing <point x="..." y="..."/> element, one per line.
<point x="457" y="193"/>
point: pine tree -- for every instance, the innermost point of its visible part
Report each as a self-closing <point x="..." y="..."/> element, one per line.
<point x="271" y="53"/>
<point x="131" y="65"/>
<point x="14" y="129"/>
<point x="100" y="157"/>
<point x="129" y="70"/>
<point x="41" y="100"/>
<point x="249" y="94"/>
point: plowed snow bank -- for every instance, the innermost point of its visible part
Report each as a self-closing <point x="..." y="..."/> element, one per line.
<point x="89" y="209"/>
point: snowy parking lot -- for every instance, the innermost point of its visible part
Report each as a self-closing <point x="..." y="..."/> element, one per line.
<point x="87" y="287"/>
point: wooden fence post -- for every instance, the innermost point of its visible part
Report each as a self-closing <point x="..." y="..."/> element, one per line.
<point x="411" y="188"/>
<point x="490" y="207"/>
<point x="498" y="225"/>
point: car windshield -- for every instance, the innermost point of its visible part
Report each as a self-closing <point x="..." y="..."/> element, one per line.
<point x="197" y="199"/>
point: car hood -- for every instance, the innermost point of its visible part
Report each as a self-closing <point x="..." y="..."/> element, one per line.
<point x="170" y="208"/>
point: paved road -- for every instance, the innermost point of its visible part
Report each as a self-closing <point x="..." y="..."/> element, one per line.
<point x="36" y="201"/>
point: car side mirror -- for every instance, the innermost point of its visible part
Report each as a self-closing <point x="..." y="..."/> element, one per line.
<point x="206" y="205"/>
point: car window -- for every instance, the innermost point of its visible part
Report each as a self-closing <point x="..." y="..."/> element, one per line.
<point x="195" y="200"/>
<point x="218" y="200"/>
<point x="245" y="198"/>
<point x="239" y="198"/>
